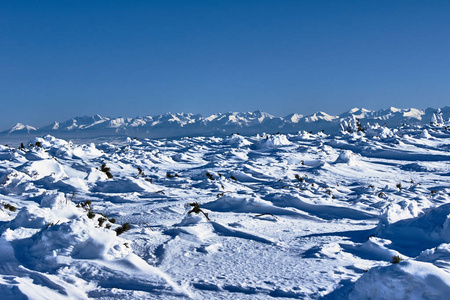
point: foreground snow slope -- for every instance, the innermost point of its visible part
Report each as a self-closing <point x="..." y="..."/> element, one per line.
<point x="303" y="216"/>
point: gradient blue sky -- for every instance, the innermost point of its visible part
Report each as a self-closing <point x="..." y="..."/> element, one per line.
<point x="61" y="59"/>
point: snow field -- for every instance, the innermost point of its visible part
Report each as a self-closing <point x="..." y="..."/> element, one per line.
<point x="303" y="216"/>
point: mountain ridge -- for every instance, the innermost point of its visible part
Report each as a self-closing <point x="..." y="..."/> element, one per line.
<point x="185" y="124"/>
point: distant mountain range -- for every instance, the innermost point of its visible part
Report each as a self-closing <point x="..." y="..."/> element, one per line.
<point x="187" y="124"/>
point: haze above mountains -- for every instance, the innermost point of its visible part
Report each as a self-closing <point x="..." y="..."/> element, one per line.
<point x="188" y="124"/>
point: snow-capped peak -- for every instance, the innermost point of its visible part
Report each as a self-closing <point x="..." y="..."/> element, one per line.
<point x="319" y="116"/>
<point x="294" y="118"/>
<point x="21" y="127"/>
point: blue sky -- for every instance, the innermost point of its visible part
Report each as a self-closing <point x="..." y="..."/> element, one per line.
<point x="61" y="59"/>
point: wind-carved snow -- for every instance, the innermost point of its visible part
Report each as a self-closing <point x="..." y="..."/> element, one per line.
<point x="359" y="214"/>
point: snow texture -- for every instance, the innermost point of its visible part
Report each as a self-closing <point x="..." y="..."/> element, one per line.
<point x="362" y="213"/>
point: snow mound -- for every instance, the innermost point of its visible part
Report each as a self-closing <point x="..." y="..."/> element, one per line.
<point x="424" y="134"/>
<point x="405" y="280"/>
<point x="89" y="151"/>
<point x="244" y="205"/>
<point x="405" y="209"/>
<point x="305" y="135"/>
<point x="191" y="218"/>
<point x="45" y="167"/>
<point x="237" y="140"/>
<point x="348" y="157"/>
<point x="54" y="208"/>
<point x="54" y="200"/>
<point x="377" y="248"/>
<point x="379" y="131"/>
<point x="438" y="255"/>
<point x="428" y="230"/>
<point x="96" y="175"/>
<point x="78" y="239"/>
<point x="275" y="141"/>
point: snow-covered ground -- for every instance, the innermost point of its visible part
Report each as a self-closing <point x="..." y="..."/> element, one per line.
<point x="303" y="216"/>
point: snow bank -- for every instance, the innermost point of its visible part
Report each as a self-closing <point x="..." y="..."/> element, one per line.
<point x="68" y="253"/>
<point x="78" y="238"/>
<point x="65" y="231"/>
<point x="426" y="231"/>
<point x="376" y="248"/>
<point x="245" y="205"/>
<point x="405" y="280"/>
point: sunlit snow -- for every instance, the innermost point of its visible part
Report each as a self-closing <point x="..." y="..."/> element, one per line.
<point x="360" y="214"/>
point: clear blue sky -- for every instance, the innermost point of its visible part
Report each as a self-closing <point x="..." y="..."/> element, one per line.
<point x="61" y="59"/>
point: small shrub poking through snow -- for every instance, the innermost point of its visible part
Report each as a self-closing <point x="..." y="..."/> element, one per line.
<point x="106" y="170"/>
<point x="9" y="207"/>
<point x="141" y="173"/>
<point x="91" y="214"/>
<point x="196" y="209"/>
<point x="172" y="175"/>
<point x="50" y="224"/>
<point x="122" y="229"/>
<point x="101" y="220"/>
<point x="396" y="259"/>
<point x="86" y="204"/>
